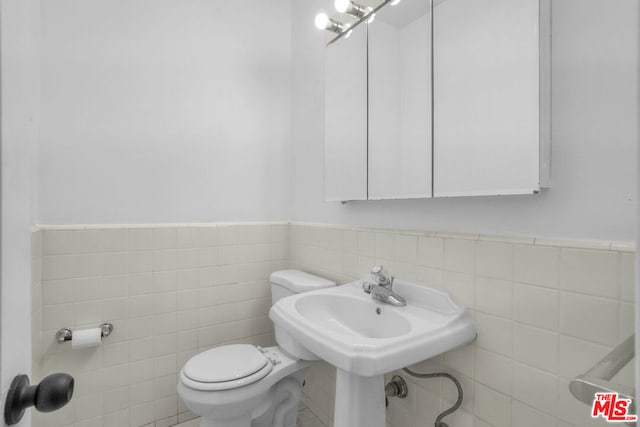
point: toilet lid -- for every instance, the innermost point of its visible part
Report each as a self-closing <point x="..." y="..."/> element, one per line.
<point x="227" y="363"/>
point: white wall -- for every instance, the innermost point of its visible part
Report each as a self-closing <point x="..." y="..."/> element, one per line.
<point x="164" y="111"/>
<point x="19" y="117"/>
<point x="595" y="137"/>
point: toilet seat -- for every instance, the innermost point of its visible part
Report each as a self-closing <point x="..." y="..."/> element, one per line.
<point x="226" y="367"/>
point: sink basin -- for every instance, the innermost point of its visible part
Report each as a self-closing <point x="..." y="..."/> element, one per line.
<point x="364" y="339"/>
<point x="348" y="329"/>
<point x="350" y="317"/>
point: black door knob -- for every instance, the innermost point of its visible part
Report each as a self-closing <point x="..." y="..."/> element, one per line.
<point x="51" y="394"/>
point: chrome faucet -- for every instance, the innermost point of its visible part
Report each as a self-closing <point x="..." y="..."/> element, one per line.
<point x="382" y="289"/>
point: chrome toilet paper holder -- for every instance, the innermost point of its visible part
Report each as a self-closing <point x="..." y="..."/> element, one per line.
<point x="66" y="334"/>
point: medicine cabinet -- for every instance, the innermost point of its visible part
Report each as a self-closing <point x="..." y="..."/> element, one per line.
<point x="440" y="99"/>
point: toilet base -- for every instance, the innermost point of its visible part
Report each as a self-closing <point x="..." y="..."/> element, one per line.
<point x="244" y="421"/>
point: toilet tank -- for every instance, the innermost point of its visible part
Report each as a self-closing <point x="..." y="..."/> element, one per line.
<point x="290" y="282"/>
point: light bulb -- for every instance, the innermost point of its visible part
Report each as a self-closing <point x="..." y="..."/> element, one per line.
<point x="342" y="5"/>
<point x="372" y="18"/>
<point x="395" y="2"/>
<point x="322" y="21"/>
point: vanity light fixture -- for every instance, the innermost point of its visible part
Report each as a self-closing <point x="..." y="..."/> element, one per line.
<point x="323" y="22"/>
<point x="351" y="8"/>
<point x="354" y="9"/>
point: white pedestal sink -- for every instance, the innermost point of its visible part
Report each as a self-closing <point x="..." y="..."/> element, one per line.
<point x="365" y="339"/>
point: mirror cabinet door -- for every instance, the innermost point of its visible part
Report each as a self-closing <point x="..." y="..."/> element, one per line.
<point x="346" y="118"/>
<point x="400" y="102"/>
<point x="487" y="97"/>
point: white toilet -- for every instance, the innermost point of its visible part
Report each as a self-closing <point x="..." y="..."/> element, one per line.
<point x="242" y="385"/>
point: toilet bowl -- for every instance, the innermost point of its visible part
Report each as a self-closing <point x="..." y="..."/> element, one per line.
<point x="242" y="385"/>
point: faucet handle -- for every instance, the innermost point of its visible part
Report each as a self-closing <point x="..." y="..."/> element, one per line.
<point x="378" y="269"/>
<point x="381" y="276"/>
<point x="367" y="287"/>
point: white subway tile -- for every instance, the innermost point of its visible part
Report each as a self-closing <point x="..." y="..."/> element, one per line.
<point x="227" y="235"/>
<point x="494" y="370"/>
<point x="140" y="327"/>
<point x="228" y="255"/>
<point x="140" y="239"/>
<point x="492" y="406"/>
<point x="536" y="306"/>
<point x="188" y="279"/>
<point x="141" y="351"/>
<point x="139" y="262"/>
<point x="59" y="242"/>
<point x="164" y="281"/>
<point x="459" y="255"/>
<point x="165" y="238"/>
<point x="187" y="340"/>
<point x="142" y="414"/>
<point x="116" y="400"/>
<point x="538" y="388"/>
<point x="114" y="286"/>
<point x="494" y="334"/>
<point x="385" y="246"/>
<point x="140" y="305"/>
<point x="140" y="284"/>
<point x="187" y="320"/>
<point x="164" y="345"/>
<point x="350" y="241"/>
<point x="115" y="354"/>
<point x="114" y="309"/>
<point x="248" y="234"/>
<point x="188" y="237"/>
<point x="164" y="260"/>
<point x="366" y="244"/>
<point x="576" y="356"/>
<point x="537" y="265"/>
<point x="535" y="347"/>
<point x="281" y="233"/>
<point x="164" y="388"/>
<point x="494" y="259"/>
<point x="462" y="287"/>
<point x="101" y="240"/>
<point x="56" y="267"/>
<point x="57" y="292"/>
<point x="627" y="277"/>
<point x="494" y="296"/>
<point x="116" y="376"/>
<point x="431" y="252"/>
<point x="164" y="324"/>
<point x="163" y="408"/>
<point x="525" y="416"/>
<point x="461" y="360"/>
<point x="165" y="365"/>
<point x="590" y="272"/>
<point x="88" y="406"/>
<point x="627" y="321"/>
<point x="187" y="300"/>
<point x="207" y="337"/>
<point x="164" y="303"/>
<point x="88" y="314"/>
<point x="591" y="318"/>
<point x="188" y="259"/>
<point x="430" y="276"/>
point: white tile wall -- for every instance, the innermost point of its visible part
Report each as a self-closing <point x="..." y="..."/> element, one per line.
<point x="546" y="310"/>
<point x="170" y="291"/>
